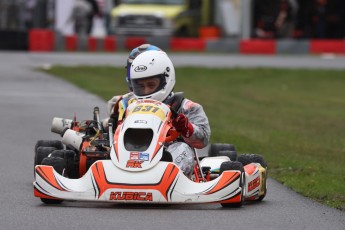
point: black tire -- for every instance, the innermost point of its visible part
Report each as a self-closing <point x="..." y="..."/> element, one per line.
<point x="41" y="153"/>
<point x="255" y="158"/>
<point x="217" y="147"/>
<point x="234" y="165"/>
<point x="252" y="158"/>
<point x="228" y="153"/>
<point x="49" y="143"/>
<point x="58" y="163"/>
<point x="72" y="166"/>
<point x="220" y="149"/>
<point x="51" y="201"/>
<point x="58" y="153"/>
<point x="231" y="165"/>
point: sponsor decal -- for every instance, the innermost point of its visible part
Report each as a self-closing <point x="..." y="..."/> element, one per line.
<point x="254" y="184"/>
<point x="134" y="156"/>
<point x="180" y="157"/>
<point x="140" y="122"/>
<point x="148" y="101"/>
<point x="139" y="156"/>
<point x="144" y="156"/>
<point x="141" y="196"/>
<point x="140" y="68"/>
<point x="134" y="164"/>
<point x="66" y="122"/>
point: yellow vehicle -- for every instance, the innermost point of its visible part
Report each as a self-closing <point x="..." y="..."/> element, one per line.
<point x="159" y="17"/>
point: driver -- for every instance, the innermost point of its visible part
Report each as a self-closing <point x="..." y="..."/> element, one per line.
<point x="132" y="55"/>
<point x="152" y="76"/>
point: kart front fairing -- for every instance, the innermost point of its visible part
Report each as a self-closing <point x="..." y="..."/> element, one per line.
<point x="164" y="183"/>
<point x="135" y="172"/>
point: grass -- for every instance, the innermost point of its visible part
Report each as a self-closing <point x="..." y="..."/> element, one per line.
<point x="294" y="118"/>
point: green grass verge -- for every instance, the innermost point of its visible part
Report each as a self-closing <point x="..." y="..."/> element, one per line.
<point x="294" y="118"/>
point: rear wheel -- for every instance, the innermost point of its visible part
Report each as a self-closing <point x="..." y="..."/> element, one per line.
<point x="234" y="165"/>
<point x="220" y="149"/>
<point x="228" y="153"/>
<point x="58" y="153"/>
<point x="49" y="143"/>
<point x="255" y="158"/>
<point x="252" y="158"/>
<point x="44" y="147"/>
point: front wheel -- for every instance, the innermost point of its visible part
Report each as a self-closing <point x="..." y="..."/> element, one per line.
<point x="41" y="153"/>
<point x="246" y="159"/>
<point x="51" y="201"/>
<point x="58" y="164"/>
<point x="234" y="165"/>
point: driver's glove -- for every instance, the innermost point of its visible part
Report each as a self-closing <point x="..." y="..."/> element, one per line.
<point x="183" y="126"/>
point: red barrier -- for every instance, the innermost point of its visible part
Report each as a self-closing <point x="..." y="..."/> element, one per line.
<point x="209" y="32"/>
<point x="257" y="46"/>
<point x="187" y="44"/>
<point x="44" y="40"/>
<point x="327" y="46"/>
<point x="71" y="43"/>
<point x="41" y="40"/>
<point x="92" y="44"/>
<point x="133" y="42"/>
<point x="109" y="44"/>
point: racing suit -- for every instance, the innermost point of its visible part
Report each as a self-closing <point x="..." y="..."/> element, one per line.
<point x="180" y="150"/>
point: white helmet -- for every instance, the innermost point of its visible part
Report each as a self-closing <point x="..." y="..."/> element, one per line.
<point x="154" y="65"/>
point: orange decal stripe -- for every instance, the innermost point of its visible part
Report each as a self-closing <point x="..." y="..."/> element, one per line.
<point x="234" y="199"/>
<point x="47" y="173"/>
<point x="227" y="178"/>
<point x="39" y="194"/>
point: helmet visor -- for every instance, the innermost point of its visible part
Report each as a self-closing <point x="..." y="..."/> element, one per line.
<point x="148" y="85"/>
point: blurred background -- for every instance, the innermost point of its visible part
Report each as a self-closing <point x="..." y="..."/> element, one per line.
<point x="235" y="19"/>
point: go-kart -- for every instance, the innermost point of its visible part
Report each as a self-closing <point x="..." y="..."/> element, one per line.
<point x="131" y="163"/>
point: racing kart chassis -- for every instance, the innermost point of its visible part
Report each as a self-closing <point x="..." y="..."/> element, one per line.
<point x="129" y="165"/>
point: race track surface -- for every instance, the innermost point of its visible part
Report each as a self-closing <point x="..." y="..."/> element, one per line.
<point x="30" y="99"/>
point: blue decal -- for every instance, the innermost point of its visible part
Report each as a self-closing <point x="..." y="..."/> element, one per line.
<point x="144" y="156"/>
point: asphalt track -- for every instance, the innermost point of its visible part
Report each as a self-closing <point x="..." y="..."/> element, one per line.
<point x="30" y="99"/>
